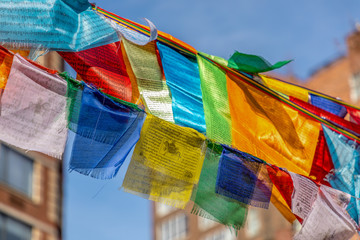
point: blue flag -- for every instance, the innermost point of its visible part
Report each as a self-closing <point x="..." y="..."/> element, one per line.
<point x="328" y="105"/>
<point x="61" y="25"/>
<point x="106" y="131"/>
<point x="244" y="178"/>
<point x="183" y="79"/>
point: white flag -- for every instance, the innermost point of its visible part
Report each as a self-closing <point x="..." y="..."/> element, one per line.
<point x="33" y="108"/>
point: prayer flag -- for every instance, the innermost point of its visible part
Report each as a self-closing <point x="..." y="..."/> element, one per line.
<point x="62" y="25"/>
<point x="328" y="105"/>
<point x="210" y="205"/>
<point x="182" y="77"/>
<point x="33" y="109"/>
<point x="215" y="100"/>
<point x="286" y="88"/>
<point x="6" y="59"/>
<point x="106" y="131"/>
<point x="166" y="162"/>
<point x="269" y="129"/>
<point x="283" y="183"/>
<point x="244" y="178"/>
<point x="153" y="89"/>
<point x="252" y="63"/>
<point x="327" y="220"/>
<point x="103" y="67"/>
<point x="345" y="154"/>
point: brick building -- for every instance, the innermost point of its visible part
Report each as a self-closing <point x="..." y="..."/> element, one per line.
<point x="341" y="77"/>
<point x="30" y="188"/>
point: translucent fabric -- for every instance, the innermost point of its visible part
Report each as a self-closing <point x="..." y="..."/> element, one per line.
<point x="210" y="205"/>
<point x="269" y="129"/>
<point x="6" y="59"/>
<point x="182" y="77"/>
<point x="252" y="63"/>
<point x="354" y="114"/>
<point x="332" y="118"/>
<point x="103" y="67"/>
<point x="345" y="154"/>
<point x="286" y="88"/>
<point x="53" y="24"/>
<point x="33" y="104"/>
<point x="215" y="100"/>
<point x="322" y="162"/>
<point x="328" y="105"/>
<point x="282" y="191"/>
<point x="244" y="178"/>
<point x="166" y="162"/>
<point x="153" y="89"/>
<point x="327" y="220"/>
<point x="106" y="131"/>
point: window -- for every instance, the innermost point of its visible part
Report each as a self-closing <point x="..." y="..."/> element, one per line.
<point x="355" y="87"/>
<point x="296" y="226"/>
<point x="223" y="234"/>
<point x="175" y="228"/>
<point x="11" y="229"/>
<point x="205" y="223"/>
<point x="253" y="225"/>
<point x="16" y="170"/>
<point x="163" y="209"/>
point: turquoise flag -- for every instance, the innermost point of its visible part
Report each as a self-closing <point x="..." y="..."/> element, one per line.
<point x="345" y="154"/>
<point x="183" y="79"/>
<point x="61" y="25"/>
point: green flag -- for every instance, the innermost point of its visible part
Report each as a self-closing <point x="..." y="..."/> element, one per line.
<point x="252" y="63"/>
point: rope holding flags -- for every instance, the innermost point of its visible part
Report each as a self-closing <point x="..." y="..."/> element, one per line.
<point x="202" y="129"/>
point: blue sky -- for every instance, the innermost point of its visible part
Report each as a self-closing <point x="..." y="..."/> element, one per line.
<point x="310" y="32"/>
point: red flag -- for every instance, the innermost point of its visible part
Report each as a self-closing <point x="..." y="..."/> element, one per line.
<point x="104" y="67"/>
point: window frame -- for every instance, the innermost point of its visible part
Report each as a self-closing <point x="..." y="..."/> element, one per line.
<point x="4" y="176"/>
<point x="3" y="227"/>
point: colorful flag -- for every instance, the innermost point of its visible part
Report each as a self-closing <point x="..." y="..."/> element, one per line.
<point x="103" y="67"/>
<point x="182" y="77"/>
<point x="328" y="105"/>
<point x="286" y="88"/>
<point x="244" y="178"/>
<point x="327" y="220"/>
<point x="330" y="117"/>
<point x="53" y="24"/>
<point x="215" y="100"/>
<point x="282" y="191"/>
<point x="210" y="205"/>
<point x="252" y="63"/>
<point x="6" y="59"/>
<point x="167" y="157"/>
<point x="153" y="89"/>
<point x="106" y="131"/>
<point x="33" y="115"/>
<point x="345" y="154"/>
<point x="322" y="162"/>
<point x="269" y="129"/>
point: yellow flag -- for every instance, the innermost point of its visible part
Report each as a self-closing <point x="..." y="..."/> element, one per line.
<point x="166" y="162"/>
<point x="286" y="88"/>
<point x="152" y="87"/>
<point x="273" y="131"/>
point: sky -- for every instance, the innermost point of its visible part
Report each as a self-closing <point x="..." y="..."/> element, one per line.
<point x="310" y="32"/>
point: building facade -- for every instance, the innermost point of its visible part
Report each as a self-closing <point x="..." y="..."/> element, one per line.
<point x="341" y="77"/>
<point x="175" y="224"/>
<point x="31" y="188"/>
